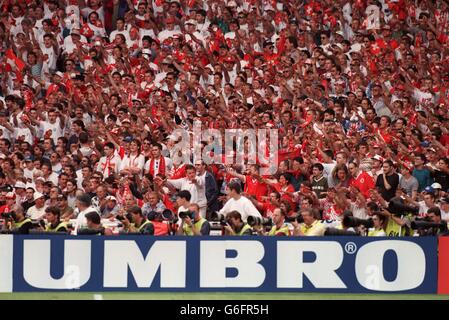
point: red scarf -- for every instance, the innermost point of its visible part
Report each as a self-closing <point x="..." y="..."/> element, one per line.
<point x="107" y="165"/>
<point x="161" y="166"/>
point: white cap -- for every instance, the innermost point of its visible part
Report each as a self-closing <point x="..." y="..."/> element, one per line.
<point x="191" y="21"/>
<point x="111" y="198"/>
<point x="59" y="73"/>
<point x="20" y="184"/>
<point x="37" y="195"/>
<point x="436" y="185"/>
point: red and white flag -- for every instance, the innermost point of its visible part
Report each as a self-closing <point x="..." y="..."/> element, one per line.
<point x="15" y="63"/>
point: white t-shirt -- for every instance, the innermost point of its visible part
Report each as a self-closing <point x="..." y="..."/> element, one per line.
<point x="55" y="128"/>
<point x="35" y="213"/>
<point x="197" y="190"/>
<point x="243" y="205"/>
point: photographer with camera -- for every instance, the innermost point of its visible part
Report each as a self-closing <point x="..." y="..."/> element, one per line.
<point x="54" y="223"/>
<point x="310" y="227"/>
<point x="279" y="228"/>
<point x="94" y="226"/>
<point x="378" y="229"/>
<point x="235" y="226"/>
<point x="192" y="223"/>
<point x="135" y="222"/>
<point x="16" y="222"/>
<point x="431" y="225"/>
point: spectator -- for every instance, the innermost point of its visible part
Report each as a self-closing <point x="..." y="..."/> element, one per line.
<point x="421" y="173"/>
<point x="37" y="212"/>
<point x="388" y="181"/>
<point x="238" y="203"/>
<point x="318" y="180"/>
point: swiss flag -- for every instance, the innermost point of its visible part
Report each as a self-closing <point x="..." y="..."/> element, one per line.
<point x="378" y="47"/>
<point x="86" y="31"/>
<point x="14" y="62"/>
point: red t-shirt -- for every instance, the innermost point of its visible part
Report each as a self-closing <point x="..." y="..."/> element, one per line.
<point x="255" y="188"/>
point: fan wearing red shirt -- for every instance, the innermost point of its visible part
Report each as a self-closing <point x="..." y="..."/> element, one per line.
<point x="268" y="204"/>
<point x="361" y="180"/>
<point x="254" y="185"/>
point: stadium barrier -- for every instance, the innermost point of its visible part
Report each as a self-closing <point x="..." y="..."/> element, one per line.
<point x="201" y="264"/>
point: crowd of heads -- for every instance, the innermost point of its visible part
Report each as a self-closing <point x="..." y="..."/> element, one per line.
<point x="92" y="92"/>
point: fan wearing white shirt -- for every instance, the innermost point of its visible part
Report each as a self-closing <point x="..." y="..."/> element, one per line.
<point x="239" y="203"/>
<point x="110" y="163"/>
<point x="134" y="161"/>
<point x="195" y="185"/>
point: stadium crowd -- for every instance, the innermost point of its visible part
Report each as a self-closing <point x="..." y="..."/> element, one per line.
<point x="92" y="91"/>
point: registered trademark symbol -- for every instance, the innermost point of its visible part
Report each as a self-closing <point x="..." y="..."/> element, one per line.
<point x="350" y="247"/>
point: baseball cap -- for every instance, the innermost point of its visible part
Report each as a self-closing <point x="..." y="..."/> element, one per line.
<point x="59" y="74"/>
<point x="444" y="200"/>
<point x="429" y="189"/>
<point x="37" y="195"/>
<point x="75" y="31"/>
<point x="126" y="120"/>
<point x="29" y="158"/>
<point x="436" y="185"/>
<point x="128" y="139"/>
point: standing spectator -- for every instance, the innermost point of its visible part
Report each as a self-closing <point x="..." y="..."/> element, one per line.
<point x="237" y="202"/>
<point x="388" y="181"/>
<point x="318" y="180"/>
<point x="421" y="173"/>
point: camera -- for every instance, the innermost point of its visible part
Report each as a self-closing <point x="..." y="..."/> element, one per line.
<point x="298" y="218"/>
<point x="257" y="221"/>
<point x="166" y="215"/>
<point x="352" y="222"/>
<point x="11" y="215"/>
<point x="128" y="216"/>
<point x="186" y="214"/>
<point x="426" y="227"/>
<point x="215" y="216"/>
<point x="398" y="207"/>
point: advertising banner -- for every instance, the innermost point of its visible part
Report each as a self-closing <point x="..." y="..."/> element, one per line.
<point x="201" y="264"/>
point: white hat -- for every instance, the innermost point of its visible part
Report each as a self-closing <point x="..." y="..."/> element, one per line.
<point x="59" y="73"/>
<point x="436" y="185"/>
<point x="191" y="21"/>
<point x="37" y="195"/>
<point x="111" y="198"/>
<point x="378" y="158"/>
<point x="20" y="184"/>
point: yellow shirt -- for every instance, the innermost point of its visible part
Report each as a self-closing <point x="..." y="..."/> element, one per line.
<point x="316" y="229"/>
